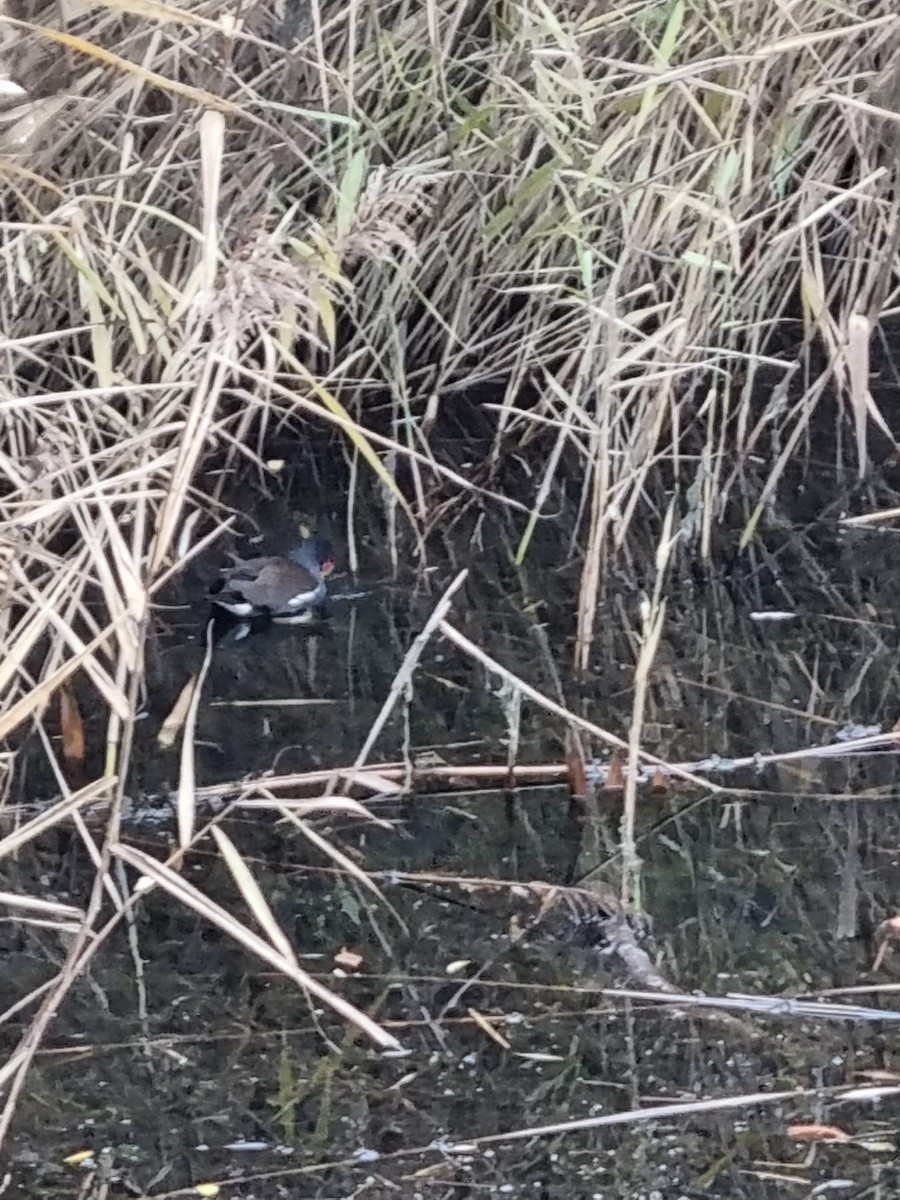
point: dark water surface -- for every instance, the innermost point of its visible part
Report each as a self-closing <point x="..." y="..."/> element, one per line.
<point x="495" y="989"/>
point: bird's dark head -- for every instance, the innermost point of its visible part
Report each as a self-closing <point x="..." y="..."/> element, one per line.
<point x="314" y="553"/>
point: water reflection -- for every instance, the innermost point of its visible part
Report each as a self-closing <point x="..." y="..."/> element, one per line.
<point x="491" y="982"/>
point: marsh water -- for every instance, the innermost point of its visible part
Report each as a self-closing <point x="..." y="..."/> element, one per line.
<point x="212" y="1069"/>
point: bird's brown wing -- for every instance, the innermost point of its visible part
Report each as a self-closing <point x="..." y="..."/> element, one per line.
<point x="266" y="582"/>
<point x="245" y="568"/>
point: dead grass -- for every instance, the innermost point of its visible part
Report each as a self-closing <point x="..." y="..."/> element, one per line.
<point x="613" y="205"/>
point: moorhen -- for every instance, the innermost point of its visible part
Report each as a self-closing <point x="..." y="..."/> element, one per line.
<point x="276" y="586"/>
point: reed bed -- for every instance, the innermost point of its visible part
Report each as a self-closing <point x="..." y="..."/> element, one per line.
<point x="222" y="224"/>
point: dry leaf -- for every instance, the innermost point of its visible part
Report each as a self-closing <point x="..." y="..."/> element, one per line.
<point x="72" y="732"/>
<point x="347" y="960"/>
<point x="80" y="1156"/>
<point x="615" y="776"/>
<point x="172" y="725"/>
<point x="659" y="783"/>
<point x="814" y="1132"/>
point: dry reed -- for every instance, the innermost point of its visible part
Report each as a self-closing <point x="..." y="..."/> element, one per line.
<point x="612" y="204"/>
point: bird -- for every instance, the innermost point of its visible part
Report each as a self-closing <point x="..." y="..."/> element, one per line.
<point x="276" y="586"/>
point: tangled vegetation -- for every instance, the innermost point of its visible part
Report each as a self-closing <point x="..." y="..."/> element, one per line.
<point x="219" y="225"/>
